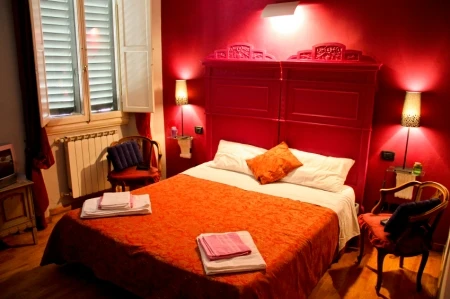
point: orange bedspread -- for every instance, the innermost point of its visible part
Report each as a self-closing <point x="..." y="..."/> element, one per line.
<point x="157" y="256"/>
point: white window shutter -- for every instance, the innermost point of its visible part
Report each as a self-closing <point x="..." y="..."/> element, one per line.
<point x="99" y="27"/>
<point x="39" y="60"/>
<point x="60" y="49"/>
<point x="135" y="52"/>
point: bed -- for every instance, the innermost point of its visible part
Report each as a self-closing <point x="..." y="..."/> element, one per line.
<point x="297" y="229"/>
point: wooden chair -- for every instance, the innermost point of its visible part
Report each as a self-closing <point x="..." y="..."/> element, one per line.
<point x="131" y="176"/>
<point x="415" y="239"/>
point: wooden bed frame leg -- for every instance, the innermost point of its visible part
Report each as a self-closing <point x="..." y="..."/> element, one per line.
<point x="401" y="261"/>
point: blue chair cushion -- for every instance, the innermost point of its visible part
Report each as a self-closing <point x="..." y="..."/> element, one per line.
<point x="398" y="222"/>
<point x="125" y="155"/>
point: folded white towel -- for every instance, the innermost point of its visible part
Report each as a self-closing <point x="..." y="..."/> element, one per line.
<point x="251" y="262"/>
<point x="403" y="178"/>
<point x="115" y="200"/>
<point x="141" y="205"/>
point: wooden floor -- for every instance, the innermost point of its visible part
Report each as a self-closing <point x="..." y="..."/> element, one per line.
<point x="22" y="277"/>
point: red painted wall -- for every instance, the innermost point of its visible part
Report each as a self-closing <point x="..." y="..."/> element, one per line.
<point x="410" y="38"/>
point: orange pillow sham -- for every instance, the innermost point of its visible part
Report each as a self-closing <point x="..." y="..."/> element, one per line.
<point x="274" y="164"/>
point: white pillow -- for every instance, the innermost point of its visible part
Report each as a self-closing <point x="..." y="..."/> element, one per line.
<point x="321" y="172"/>
<point x="232" y="156"/>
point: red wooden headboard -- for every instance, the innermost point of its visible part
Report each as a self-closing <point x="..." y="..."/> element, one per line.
<point x="318" y="100"/>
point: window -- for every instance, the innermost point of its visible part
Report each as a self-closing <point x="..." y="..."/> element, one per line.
<point x="61" y="57"/>
<point x="93" y="58"/>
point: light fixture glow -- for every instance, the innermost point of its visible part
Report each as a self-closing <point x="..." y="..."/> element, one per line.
<point x="279" y="9"/>
<point x="411" y="109"/>
<point x="181" y="96"/>
<point x="410" y="115"/>
<point x="288" y="24"/>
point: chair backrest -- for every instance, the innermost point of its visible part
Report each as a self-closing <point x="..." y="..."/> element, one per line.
<point x="431" y="190"/>
<point x="147" y="147"/>
<point x="432" y="216"/>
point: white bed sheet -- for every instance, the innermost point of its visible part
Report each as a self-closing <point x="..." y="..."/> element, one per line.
<point x="342" y="203"/>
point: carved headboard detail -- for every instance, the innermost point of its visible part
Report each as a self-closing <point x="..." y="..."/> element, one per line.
<point x="333" y="52"/>
<point x="241" y="51"/>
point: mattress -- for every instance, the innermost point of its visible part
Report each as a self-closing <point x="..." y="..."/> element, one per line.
<point x="156" y="255"/>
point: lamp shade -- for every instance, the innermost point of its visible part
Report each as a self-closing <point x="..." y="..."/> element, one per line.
<point x="411" y="109"/>
<point x="279" y="9"/>
<point x="181" y="96"/>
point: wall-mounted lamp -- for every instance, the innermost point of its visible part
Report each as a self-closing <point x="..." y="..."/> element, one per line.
<point x="181" y="99"/>
<point x="279" y="9"/>
<point x="410" y="115"/>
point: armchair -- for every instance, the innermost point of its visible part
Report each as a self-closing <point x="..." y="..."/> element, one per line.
<point x="414" y="232"/>
<point x="135" y="176"/>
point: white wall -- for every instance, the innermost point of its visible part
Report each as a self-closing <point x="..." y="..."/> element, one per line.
<point x="11" y="118"/>
<point x="157" y="122"/>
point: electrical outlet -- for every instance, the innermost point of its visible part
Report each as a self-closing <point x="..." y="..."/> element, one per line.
<point x="387" y="155"/>
<point x="198" y="129"/>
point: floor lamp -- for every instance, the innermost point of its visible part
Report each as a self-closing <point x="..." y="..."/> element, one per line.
<point x="410" y="115"/>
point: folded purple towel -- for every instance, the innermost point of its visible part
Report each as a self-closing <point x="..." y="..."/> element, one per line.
<point x="223" y="246"/>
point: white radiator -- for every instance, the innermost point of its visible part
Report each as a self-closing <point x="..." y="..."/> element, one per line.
<point x="87" y="166"/>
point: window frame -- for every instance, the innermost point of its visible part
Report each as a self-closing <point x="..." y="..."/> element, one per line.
<point x="83" y="74"/>
<point x="89" y="120"/>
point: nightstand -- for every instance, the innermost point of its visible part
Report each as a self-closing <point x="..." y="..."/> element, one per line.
<point x="16" y="209"/>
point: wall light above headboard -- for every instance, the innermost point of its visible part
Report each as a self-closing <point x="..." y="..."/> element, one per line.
<point x="279" y="9"/>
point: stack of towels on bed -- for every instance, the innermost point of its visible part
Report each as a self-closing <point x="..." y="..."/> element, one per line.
<point x="229" y="252"/>
<point x="116" y="204"/>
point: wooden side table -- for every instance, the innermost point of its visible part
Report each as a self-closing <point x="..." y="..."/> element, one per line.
<point x="16" y="209"/>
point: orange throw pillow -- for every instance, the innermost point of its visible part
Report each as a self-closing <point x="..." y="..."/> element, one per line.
<point x="274" y="164"/>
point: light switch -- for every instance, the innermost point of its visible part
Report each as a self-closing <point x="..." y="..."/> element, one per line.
<point x="387" y="155"/>
<point x="198" y="129"/>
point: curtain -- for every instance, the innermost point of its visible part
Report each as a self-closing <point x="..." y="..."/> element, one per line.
<point x="38" y="154"/>
<point x="143" y="124"/>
